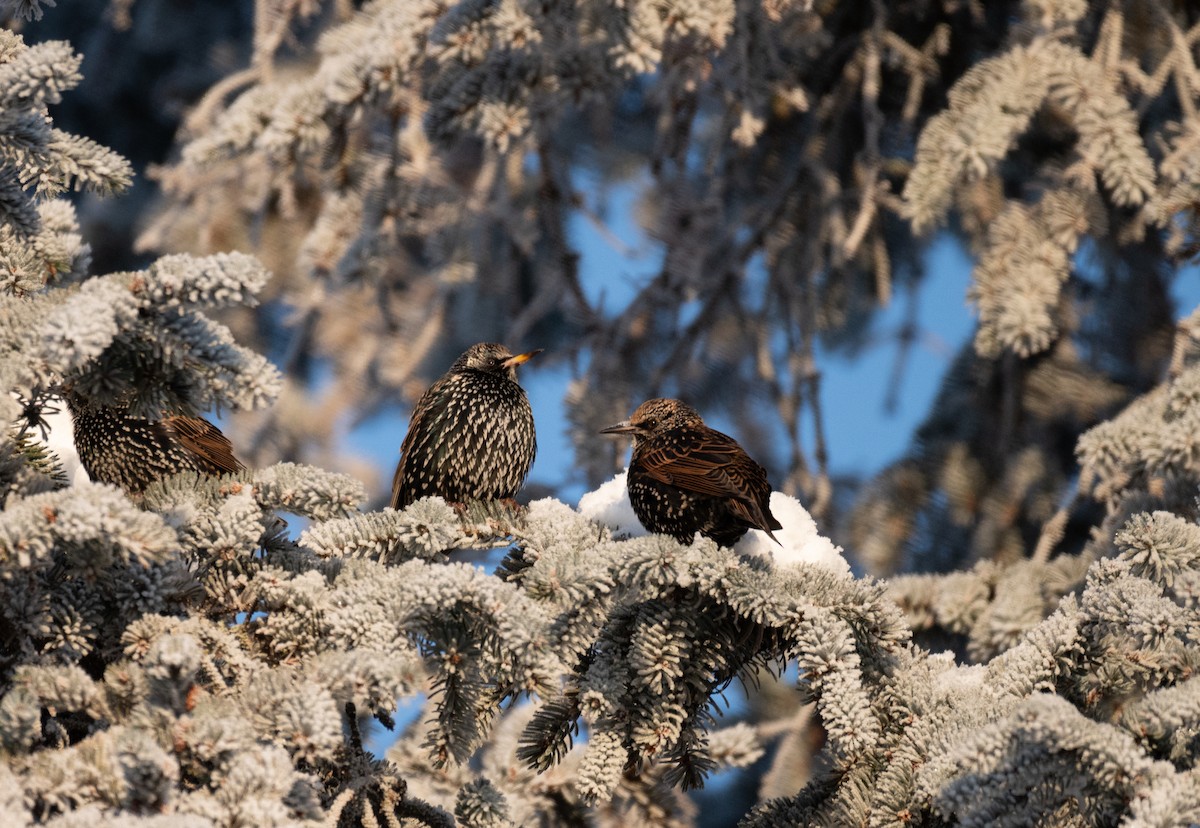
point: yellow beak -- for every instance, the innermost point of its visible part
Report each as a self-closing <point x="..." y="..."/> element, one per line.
<point x="519" y="358"/>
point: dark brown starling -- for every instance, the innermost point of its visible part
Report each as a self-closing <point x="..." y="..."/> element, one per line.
<point x="686" y="478"/>
<point x="471" y="435"/>
<point x="132" y="452"/>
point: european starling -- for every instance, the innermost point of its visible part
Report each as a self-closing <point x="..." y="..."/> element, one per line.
<point x="471" y="435"/>
<point x="686" y="477"/>
<point x="131" y="452"/>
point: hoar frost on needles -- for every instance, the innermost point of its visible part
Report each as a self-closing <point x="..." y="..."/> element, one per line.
<point x="630" y="639"/>
<point x="39" y="241"/>
<point x="185" y="659"/>
<point x="427" y="529"/>
<point x="155" y="315"/>
<point x="1118" y="642"/>
<point x="132" y="684"/>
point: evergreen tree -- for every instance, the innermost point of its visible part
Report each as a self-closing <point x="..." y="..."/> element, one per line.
<point x="185" y="657"/>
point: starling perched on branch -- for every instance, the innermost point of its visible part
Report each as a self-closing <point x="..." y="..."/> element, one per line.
<point x="471" y="435"/>
<point x="132" y="452"/>
<point x="686" y="477"/>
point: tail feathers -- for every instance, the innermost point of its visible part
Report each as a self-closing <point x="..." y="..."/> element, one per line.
<point x="759" y="517"/>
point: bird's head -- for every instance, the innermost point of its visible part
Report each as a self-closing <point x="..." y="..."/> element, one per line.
<point x="655" y="417"/>
<point x="492" y="358"/>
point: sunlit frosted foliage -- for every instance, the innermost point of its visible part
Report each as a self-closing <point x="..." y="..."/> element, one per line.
<point x="189" y="658"/>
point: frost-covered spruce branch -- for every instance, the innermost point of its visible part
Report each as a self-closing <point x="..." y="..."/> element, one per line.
<point x="184" y="660"/>
<point x="155" y="318"/>
<point x="139" y="340"/>
<point x="39" y="238"/>
<point x="129" y="685"/>
<point x="1026" y="213"/>
<point x="1074" y="750"/>
<point x="644" y="631"/>
<point x="679" y="623"/>
<point x="130" y="682"/>
<point x="1118" y="642"/>
<point x="989" y="110"/>
<point x="1141" y="468"/>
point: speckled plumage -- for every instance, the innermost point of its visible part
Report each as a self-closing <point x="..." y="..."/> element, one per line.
<point x="685" y="477"/>
<point x="132" y="452"/>
<point x="471" y="435"/>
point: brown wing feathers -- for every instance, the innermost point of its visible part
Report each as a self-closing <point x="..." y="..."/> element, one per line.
<point x="711" y="463"/>
<point x="203" y="439"/>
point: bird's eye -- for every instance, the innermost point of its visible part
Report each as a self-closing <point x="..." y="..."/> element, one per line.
<point x="649" y="423"/>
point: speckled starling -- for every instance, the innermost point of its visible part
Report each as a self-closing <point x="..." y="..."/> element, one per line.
<point x="686" y="477"/>
<point x="471" y="435"/>
<point x="131" y="452"/>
